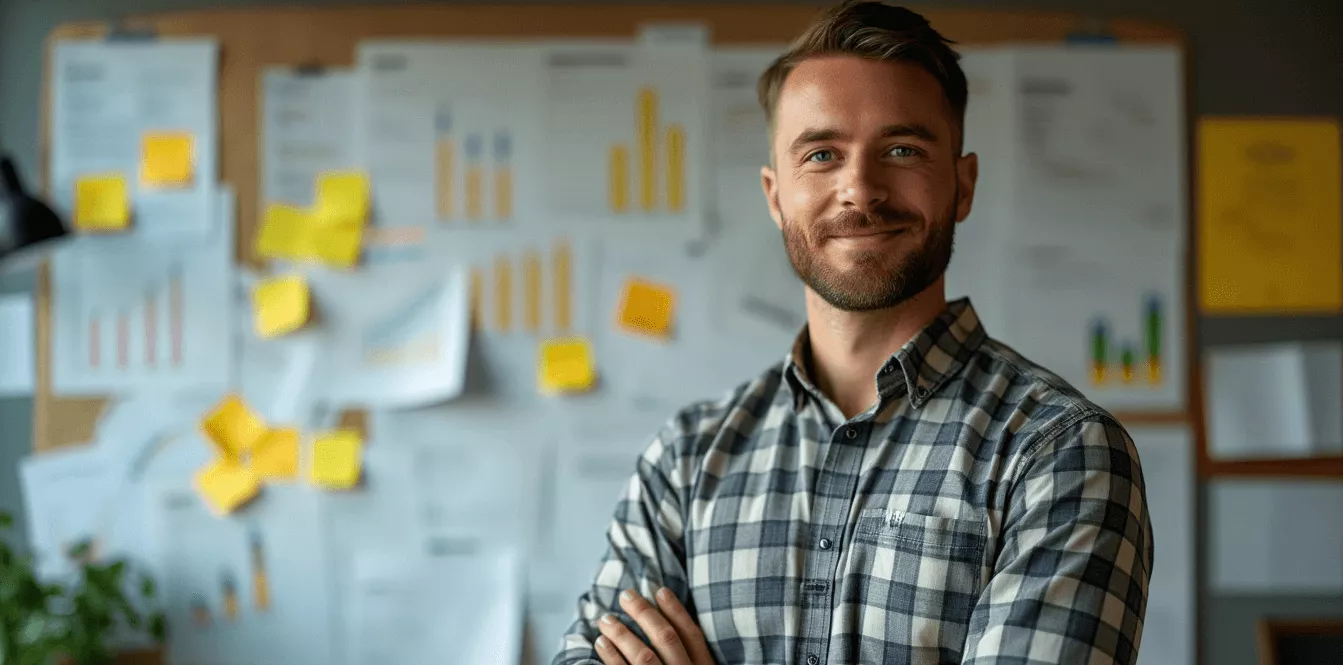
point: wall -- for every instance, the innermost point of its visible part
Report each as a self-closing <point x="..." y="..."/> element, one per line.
<point x="1249" y="57"/>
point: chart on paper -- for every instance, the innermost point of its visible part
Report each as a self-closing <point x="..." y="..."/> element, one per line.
<point x="627" y="132"/>
<point x="131" y="314"/>
<point x="525" y="290"/>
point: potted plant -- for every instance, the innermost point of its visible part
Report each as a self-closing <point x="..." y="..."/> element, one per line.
<point x="69" y="623"/>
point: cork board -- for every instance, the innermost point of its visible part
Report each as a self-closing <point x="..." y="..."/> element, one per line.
<point x="252" y="39"/>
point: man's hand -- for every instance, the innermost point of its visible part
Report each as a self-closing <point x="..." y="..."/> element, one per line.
<point x="676" y="637"/>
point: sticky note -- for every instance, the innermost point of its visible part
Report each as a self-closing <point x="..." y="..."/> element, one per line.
<point x="647" y="308"/>
<point x="280" y="305"/>
<point x="285" y="233"/>
<point x="337" y="246"/>
<point x="275" y="456"/>
<point x="102" y="203"/>
<point x="341" y="198"/>
<point x="233" y="427"/>
<point x="566" y="365"/>
<point x="337" y="459"/>
<point x="225" y="484"/>
<point x="167" y="159"/>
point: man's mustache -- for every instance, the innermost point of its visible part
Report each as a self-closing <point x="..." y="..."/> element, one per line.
<point x="851" y="221"/>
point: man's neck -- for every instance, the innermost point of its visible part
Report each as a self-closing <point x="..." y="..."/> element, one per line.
<point x="848" y="348"/>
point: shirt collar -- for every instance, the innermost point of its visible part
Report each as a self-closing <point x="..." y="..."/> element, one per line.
<point x="922" y="365"/>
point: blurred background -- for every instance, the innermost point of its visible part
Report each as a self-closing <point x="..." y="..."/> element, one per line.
<point x="1161" y="177"/>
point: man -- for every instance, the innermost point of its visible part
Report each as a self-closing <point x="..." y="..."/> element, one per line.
<point x="902" y="488"/>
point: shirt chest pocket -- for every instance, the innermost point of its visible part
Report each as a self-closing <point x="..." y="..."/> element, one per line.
<point x="926" y="571"/>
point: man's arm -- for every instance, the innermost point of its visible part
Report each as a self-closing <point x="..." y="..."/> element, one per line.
<point x="1070" y="582"/>
<point x="645" y="548"/>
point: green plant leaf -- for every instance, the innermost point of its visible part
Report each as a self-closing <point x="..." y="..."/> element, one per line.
<point x="81" y="549"/>
<point x="6" y="520"/>
<point x="158" y="627"/>
<point x="147" y="587"/>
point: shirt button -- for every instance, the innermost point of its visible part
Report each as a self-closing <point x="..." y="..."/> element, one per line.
<point x="888" y="369"/>
<point x="813" y="660"/>
<point x="850" y="433"/>
<point x="921" y="392"/>
<point x="825" y="543"/>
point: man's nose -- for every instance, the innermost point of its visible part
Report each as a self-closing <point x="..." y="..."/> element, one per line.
<point x="862" y="188"/>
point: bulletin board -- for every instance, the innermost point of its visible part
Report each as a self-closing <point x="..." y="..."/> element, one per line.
<point x="253" y="39"/>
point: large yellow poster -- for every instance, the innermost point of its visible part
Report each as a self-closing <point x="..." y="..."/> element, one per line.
<point x="1270" y="220"/>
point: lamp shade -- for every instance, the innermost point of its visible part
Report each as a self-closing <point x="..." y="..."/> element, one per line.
<point x="25" y="222"/>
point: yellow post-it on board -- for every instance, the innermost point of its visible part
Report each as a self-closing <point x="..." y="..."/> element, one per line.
<point x="337" y="246"/>
<point x="280" y="305"/>
<point x="167" y="159"/>
<point x="341" y="198"/>
<point x="285" y="233"/>
<point x="225" y="485"/>
<point x="337" y="459"/>
<point x="647" y="308"/>
<point x="566" y="365"/>
<point x="275" y="456"/>
<point x="233" y="427"/>
<point x="102" y="203"/>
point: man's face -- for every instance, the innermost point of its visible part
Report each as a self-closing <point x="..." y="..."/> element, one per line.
<point x="865" y="184"/>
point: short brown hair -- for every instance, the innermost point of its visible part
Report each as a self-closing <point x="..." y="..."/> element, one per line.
<point x="876" y="31"/>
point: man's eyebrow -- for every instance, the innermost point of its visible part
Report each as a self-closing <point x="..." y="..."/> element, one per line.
<point x="813" y="135"/>
<point x="915" y="130"/>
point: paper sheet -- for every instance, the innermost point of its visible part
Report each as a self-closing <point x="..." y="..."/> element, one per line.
<point x="381" y="516"/>
<point x="1275" y="537"/>
<point x="466" y="451"/>
<point x="436" y="608"/>
<point x="452" y="136"/>
<point x="627" y="129"/>
<point x="1274" y="400"/>
<point x="397" y="334"/>
<point x="1097" y="222"/>
<point x="17" y="361"/>
<point x="307" y="128"/>
<point x="107" y="97"/>
<point x="245" y="590"/>
<point x="132" y="313"/>
<point x="1169" y="633"/>
<point x="1270" y="216"/>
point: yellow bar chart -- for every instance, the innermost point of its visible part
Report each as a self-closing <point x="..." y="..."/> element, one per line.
<point x="658" y="164"/>
<point x="473" y="172"/>
<point x="503" y="291"/>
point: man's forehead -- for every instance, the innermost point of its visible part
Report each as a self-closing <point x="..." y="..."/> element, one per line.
<point x="848" y="88"/>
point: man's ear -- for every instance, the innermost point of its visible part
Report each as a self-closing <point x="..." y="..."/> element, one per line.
<point x="967" y="174"/>
<point x="769" y="182"/>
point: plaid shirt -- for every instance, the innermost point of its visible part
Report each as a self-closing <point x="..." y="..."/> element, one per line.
<point x="982" y="511"/>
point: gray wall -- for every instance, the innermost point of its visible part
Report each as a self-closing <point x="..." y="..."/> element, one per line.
<point x="1248" y="56"/>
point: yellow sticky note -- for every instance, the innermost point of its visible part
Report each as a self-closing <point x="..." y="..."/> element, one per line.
<point x="341" y="198"/>
<point x="647" y="308"/>
<point x="275" y="456"/>
<point x="280" y="305"/>
<point x="225" y="485"/>
<point x="285" y="233"/>
<point x="1270" y="216"/>
<point x="337" y="246"/>
<point x="167" y="159"/>
<point x="233" y="427"/>
<point x="566" y="365"/>
<point x="337" y="459"/>
<point x="102" y="203"/>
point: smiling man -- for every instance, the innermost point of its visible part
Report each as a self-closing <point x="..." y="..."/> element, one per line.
<point x="902" y="488"/>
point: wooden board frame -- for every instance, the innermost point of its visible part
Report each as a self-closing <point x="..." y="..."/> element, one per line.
<point x="253" y="38"/>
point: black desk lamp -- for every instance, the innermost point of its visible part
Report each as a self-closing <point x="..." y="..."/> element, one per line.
<point x="27" y="225"/>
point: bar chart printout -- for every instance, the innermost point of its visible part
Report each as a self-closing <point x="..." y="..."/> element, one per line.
<point x="129" y="315"/>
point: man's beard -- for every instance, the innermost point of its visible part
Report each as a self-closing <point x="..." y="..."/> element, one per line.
<point x="872" y="283"/>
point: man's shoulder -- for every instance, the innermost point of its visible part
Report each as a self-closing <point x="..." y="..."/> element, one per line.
<point x="737" y="413"/>
<point x="1033" y="401"/>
